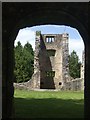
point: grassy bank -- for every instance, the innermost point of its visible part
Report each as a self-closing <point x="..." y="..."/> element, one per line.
<point x="48" y="104"/>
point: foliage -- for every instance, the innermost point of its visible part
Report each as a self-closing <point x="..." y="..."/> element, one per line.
<point x="24" y="60"/>
<point x="74" y="65"/>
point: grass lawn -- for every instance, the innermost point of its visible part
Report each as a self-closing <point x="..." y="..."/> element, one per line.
<point x="48" y="104"/>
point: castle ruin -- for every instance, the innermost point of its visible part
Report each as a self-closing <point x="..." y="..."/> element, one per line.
<point x="51" y="68"/>
<point x="51" y="65"/>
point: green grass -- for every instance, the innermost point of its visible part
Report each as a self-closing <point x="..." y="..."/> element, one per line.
<point x="48" y="104"/>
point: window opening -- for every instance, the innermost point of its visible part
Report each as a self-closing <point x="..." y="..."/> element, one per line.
<point x="50" y="73"/>
<point x="50" y="39"/>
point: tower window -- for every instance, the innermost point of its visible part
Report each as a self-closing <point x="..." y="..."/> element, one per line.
<point x="50" y="39"/>
<point x="50" y="73"/>
<point x="51" y="52"/>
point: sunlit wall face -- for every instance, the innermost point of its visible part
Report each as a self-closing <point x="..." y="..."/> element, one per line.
<point x="75" y="40"/>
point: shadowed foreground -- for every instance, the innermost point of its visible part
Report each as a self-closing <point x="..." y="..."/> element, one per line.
<point x="48" y="107"/>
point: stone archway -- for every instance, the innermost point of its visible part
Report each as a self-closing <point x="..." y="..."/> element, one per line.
<point x="19" y="15"/>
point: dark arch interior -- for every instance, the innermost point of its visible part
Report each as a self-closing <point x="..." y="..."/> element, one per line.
<point x="19" y="15"/>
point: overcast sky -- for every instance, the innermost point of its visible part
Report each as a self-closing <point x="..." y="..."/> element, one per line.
<point x="75" y="40"/>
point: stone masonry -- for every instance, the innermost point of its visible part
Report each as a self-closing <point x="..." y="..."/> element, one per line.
<point x="83" y="65"/>
<point x="83" y="69"/>
<point x="51" y="70"/>
<point x="51" y="65"/>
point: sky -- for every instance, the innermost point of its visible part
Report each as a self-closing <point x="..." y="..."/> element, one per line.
<point x="75" y="40"/>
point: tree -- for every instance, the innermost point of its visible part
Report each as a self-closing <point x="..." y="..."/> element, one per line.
<point x="29" y="48"/>
<point x="18" y="62"/>
<point x="24" y="60"/>
<point x="29" y="59"/>
<point x="74" y="65"/>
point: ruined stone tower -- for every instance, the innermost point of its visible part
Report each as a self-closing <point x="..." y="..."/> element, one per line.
<point x="51" y="70"/>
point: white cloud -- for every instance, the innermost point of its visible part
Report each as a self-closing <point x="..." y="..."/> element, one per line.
<point x="77" y="45"/>
<point x="25" y="35"/>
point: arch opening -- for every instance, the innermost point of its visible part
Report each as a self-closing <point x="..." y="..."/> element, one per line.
<point x="37" y="18"/>
<point x="74" y="43"/>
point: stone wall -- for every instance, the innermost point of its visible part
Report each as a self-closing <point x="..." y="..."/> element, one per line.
<point x="52" y="43"/>
<point x="51" y="68"/>
<point x="36" y="76"/>
<point x="83" y="65"/>
<point x="65" y="59"/>
<point x="74" y="85"/>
